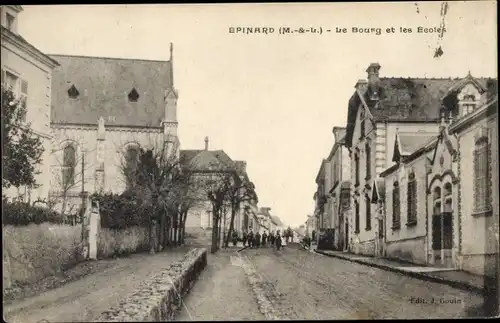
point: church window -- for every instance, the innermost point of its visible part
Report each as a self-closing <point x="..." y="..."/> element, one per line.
<point x="133" y="96"/>
<point x="73" y="92"/>
<point x="131" y="162"/>
<point x="68" y="168"/>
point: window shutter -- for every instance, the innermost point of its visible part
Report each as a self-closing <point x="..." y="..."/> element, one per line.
<point x="24" y="87"/>
<point x="3" y="76"/>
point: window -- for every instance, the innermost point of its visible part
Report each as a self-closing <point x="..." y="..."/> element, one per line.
<point x="396" y="210"/>
<point x="73" y="92"/>
<point x="24" y="94"/>
<point x="69" y="165"/>
<point x="412" y="199"/>
<point x="133" y="96"/>
<point x="11" y="81"/>
<point x="368" y="214"/>
<point x="368" y="161"/>
<point x="131" y="161"/>
<point x="482" y="188"/>
<point x="356" y="223"/>
<point x="356" y="167"/>
<point x="468" y="105"/>
<point x="10" y="22"/>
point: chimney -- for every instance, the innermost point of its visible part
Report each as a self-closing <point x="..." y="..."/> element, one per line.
<point x="206" y="143"/>
<point x="373" y="81"/>
<point x="372" y="71"/>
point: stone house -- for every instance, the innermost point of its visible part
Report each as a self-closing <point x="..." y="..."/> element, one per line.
<point x="103" y="111"/>
<point x="207" y="161"/>
<point x="476" y="205"/>
<point x="28" y="72"/>
<point x="265" y="221"/>
<point x="405" y="182"/>
<point x="339" y="163"/>
<point x="428" y="189"/>
<point x="321" y="196"/>
<point x="380" y="108"/>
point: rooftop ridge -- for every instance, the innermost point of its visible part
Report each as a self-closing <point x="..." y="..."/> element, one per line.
<point x="111" y="58"/>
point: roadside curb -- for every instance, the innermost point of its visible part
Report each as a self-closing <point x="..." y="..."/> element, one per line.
<point x="455" y="284"/>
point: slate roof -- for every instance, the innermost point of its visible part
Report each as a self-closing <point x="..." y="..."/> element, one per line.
<point x="104" y="84"/>
<point x="206" y="159"/>
<point x="408" y="99"/>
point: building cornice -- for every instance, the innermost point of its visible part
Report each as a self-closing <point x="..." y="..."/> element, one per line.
<point x="25" y="46"/>
<point x="88" y="126"/>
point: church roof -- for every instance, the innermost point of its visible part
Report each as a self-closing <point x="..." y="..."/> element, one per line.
<point x="104" y="85"/>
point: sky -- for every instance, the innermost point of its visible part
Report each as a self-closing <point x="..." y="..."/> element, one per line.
<point x="271" y="99"/>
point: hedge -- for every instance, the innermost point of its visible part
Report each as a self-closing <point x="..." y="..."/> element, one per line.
<point x="22" y="214"/>
<point x="120" y="212"/>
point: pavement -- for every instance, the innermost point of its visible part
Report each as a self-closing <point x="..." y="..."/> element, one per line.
<point x="452" y="277"/>
<point x="83" y="300"/>
<point x="295" y="284"/>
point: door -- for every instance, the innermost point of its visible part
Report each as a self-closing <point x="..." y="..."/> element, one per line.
<point x="442" y="239"/>
<point x="346" y="243"/>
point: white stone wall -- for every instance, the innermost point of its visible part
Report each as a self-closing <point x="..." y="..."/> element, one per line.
<point x="38" y="76"/>
<point x="478" y="240"/>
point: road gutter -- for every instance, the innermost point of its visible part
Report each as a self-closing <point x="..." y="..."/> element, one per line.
<point x="422" y="276"/>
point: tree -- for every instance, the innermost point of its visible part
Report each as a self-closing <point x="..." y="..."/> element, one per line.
<point x="22" y="148"/>
<point x="163" y="190"/>
<point x="217" y="184"/>
<point x="240" y="191"/>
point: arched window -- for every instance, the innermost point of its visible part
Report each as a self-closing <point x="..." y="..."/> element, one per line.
<point x="412" y="198"/>
<point x="68" y="167"/>
<point x="447" y="189"/>
<point x="131" y="161"/>
<point x="482" y="188"/>
<point x="396" y="209"/>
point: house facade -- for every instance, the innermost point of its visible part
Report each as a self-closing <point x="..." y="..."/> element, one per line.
<point x="430" y="215"/>
<point x="103" y="111"/>
<point x="321" y="198"/>
<point x="476" y="206"/>
<point x="380" y="110"/>
<point x="338" y="179"/>
<point x="28" y="73"/>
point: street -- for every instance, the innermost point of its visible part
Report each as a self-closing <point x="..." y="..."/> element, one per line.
<point x="299" y="284"/>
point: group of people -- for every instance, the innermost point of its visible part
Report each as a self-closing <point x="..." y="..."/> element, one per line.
<point x="256" y="240"/>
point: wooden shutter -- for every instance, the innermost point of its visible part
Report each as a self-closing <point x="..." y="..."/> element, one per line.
<point x="3" y="76"/>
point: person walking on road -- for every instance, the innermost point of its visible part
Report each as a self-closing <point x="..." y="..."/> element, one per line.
<point x="244" y="238"/>
<point x="264" y="239"/>
<point x="278" y="241"/>
<point x="250" y="238"/>
<point x="257" y="240"/>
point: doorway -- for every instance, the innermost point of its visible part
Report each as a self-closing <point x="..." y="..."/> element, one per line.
<point x="346" y="242"/>
<point x="442" y="229"/>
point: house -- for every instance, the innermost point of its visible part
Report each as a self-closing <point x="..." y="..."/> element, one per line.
<point x="406" y="215"/>
<point x="310" y="225"/>
<point x="28" y="72"/>
<point x="476" y="203"/>
<point x="380" y="108"/>
<point x="338" y="180"/>
<point x="431" y="216"/>
<point x="320" y="196"/>
<point x="201" y="163"/>
<point x="103" y="111"/>
<point x="264" y="216"/>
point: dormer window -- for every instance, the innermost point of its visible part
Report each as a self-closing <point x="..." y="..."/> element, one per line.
<point x="73" y="92"/>
<point x="133" y="96"/>
<point x="469" y="104"/>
